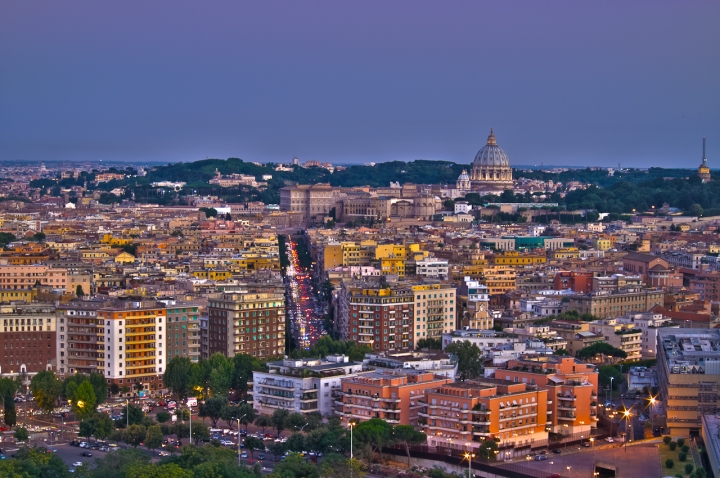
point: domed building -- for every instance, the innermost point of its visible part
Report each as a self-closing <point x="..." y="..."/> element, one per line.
<point x="491" y="167"/>
<point x="463" y="181"/>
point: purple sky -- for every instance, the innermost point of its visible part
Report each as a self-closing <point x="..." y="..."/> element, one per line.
<point x="575" y="83"/>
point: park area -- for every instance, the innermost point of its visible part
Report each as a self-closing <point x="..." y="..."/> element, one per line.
<point x="677" y="459"/>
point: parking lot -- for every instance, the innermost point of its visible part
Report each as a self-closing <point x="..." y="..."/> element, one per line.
<point x="637" y="461"/>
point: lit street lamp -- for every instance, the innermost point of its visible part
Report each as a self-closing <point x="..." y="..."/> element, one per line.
<point x="469" y="457"/>
<point x="627" y="415"/>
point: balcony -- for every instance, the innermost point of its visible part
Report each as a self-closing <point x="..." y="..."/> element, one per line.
<point x="566" y="397"/>
<point x="567" y="408"/>
<point x="567" y="417"/>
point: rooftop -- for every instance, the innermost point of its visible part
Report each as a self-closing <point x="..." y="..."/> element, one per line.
<point x="692" y="351"/>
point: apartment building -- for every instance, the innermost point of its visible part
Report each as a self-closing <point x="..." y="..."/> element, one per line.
<point x="183" y="330"/>
<point x="391" y="396"/>
<point x="572" y="389"/>
<point x="577" y="334"/>
<point x="688" y="377"/>
<point x="432" y="268"/>
<point x="133" y="338"/>
<point x="649" y="323"/>
<point x="515" y="259"/>
<point x="499" y="279"/>
<point x="302" y="385"/>
<point x="434" y="310"/>
<point x="380" y="317"/>
<point x="27" y="338"/>
<point x="706" y="285"/>
<point x="247" y="322"/>
<point x="18" y="277"/>
<point x="462" y="415"/>
<point x="608" y="304"/>
<point x="438" y="363"/>
<point x="624" y="336"/>
<point x="79" y="334"/>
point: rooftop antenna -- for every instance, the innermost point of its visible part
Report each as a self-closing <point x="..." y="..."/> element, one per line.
<point x="704" y="158"/>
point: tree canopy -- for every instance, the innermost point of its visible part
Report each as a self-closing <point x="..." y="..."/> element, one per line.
<point x="601" y="349"/>
<point x="469" y="359"/>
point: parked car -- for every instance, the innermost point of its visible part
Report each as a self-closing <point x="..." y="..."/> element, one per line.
<point x="78" y="463"/>
<point x="86" y="454"/>
<point x="609" y="440"/>
<point x="261" y="456"/>
<point x="540" y="458"/>
<point x="557" y="451"/>
<point x="243" y="454"/>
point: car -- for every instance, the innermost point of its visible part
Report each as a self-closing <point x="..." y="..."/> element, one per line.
<point x="554" y="475"/>
<point x="71" y="470"/>
<point x="83" y="444"/>
<point x="557" y="451"/>
<point x="78" y="463"/>
<point x="587" y="444"/>
<point x="164" y="453"/>
<point x="52" y="450"/>
<point x="2" y="457"/>
<point x="104" y="448"/>
<point x="312" y="453"/>
<point x="250" y="460"/>
<point x="243" y="454"/>
<point x="86" y="454"/>
<point x="261" y="456"/>
<point x="540" y="458"/>
<point x="609" y="440"/>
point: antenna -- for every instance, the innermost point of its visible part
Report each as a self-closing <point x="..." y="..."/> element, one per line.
<point x="704" y="157"/>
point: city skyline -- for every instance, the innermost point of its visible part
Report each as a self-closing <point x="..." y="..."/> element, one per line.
<point x="561" y="84"/>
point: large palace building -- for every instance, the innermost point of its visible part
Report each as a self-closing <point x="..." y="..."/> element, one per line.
<point x="491" y="168"/>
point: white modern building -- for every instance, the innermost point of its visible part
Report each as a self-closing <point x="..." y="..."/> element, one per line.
<point x="433" y="268"/>
<point x="301" y="385"/>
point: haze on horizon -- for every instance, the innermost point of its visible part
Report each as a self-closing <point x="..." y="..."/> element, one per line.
<point x="561" y="82"/>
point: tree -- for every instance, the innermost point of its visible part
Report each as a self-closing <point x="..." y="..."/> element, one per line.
<point x="103" y="425"/>
<point x="221" y="375"/>
<point x="87" y="428"/>
<point x="200" y="432"/>
<point x="85" y="402"/>
<point x="296" y="442"/>
<point x="247" y="414"/>
<point x="600" y="348"/>
<point x="134" y="435"/>
<point x="213" y="409"/>
<point x="278" y="419"/>
<point x="136" y="415"/>
<point x="46" y="389"/>
<point x="263" y="421"/>
<point x="337" y="466"/>
<point x="672" y="445"/>
<point x="689" y="467"/>
<point x="295" y="421"/>
<point x="561" y="352"/>
<point x="408" y="436"/>
<point x="468" y="357"/>
<point x="162" y="416"/>
<point x="294" y="466"/>
<point x="178" y="377"/>
<point x="166" y="470"/>
<point x="182" y="430"/>
<point x="682" y="456"/>
<point x="667" y="439"/>
<point x="97" y="380"/>
<point x="114" y="388"/>
<point x="608" y="372"/>
<point x="429" y="343"/>
<point x="209" y="212"/>
<point x="696" y="210"/>
<point x="669" y="463"/>
<point x="252" y="444"/>
<point x="153" y="438"/>
<point x="38" y="237"/>
<point x="375" y="433"/>
<point x="277" y="449"/>
<point x="21" y="434"/>
<point x="487" y="449"/>
<point x="79" y="291"/>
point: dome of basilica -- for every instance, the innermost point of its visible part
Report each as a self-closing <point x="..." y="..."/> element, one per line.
<point x="491" y="155"/>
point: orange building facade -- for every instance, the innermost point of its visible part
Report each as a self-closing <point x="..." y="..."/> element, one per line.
<point x="393" y="397"/>
<point x="461" y="415"/>
<point x="572" y="389"/>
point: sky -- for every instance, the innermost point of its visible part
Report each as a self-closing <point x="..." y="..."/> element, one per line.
<point x="560" y="82"/>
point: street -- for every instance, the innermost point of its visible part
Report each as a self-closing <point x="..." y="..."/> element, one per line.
<point x="305" y="313"/>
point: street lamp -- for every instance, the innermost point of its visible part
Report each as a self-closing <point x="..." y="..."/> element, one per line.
<point x="652" y="405"/>
<point x="627" y="415"/>
<point x="301" y="428"/>
<point x="351" y="425"/>
<point x="469" y="457"/>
